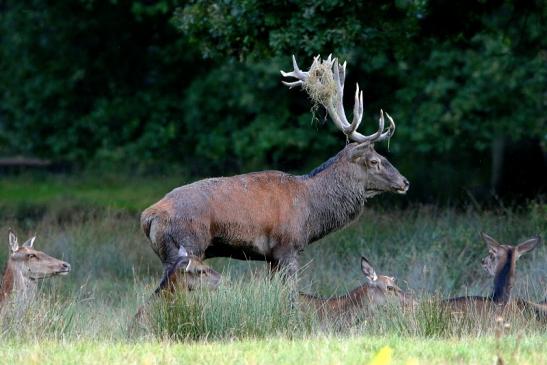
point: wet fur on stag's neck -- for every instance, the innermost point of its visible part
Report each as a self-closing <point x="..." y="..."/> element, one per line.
<point x="14" y="283"/>
<point x="337" y="196"/>
<point x="503" y="280"/>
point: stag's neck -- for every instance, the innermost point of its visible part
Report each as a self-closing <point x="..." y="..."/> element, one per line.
<point x="337" y="197"/>
<point x="15" y="285"/>
<point x="503" y="281"/>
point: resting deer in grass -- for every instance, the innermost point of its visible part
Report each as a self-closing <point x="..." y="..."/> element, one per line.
<point x="24" y="268"/>
<point x="500" y="263"/>
<point x="195" y="275"/>
<point x="271" y="215"/>
<point x="376" y="291"/>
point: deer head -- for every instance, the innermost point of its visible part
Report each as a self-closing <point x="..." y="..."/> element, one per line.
<point x="196" y="274"/>
<point x="324" y="83"/>
<point x="385" y="285"/>
<point x="501" y="264"/>
<point x="32" y="264"/>
<point x="500" y="255"/>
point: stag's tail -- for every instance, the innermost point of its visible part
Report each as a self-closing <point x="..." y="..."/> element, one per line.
<point x="146" y="222"/>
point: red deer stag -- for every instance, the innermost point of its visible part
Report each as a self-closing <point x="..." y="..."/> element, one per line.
<point x="271" y="215"/>
<point x="500" y="263"/>
<point x="25" y="266"/>
<point x="376" y="291"/>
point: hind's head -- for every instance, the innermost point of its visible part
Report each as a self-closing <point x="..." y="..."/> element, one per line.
<point x="195" y="274"/>
<point x="385" y="286"/>
<point x="500" y="255"/>
<point x="31" y="263"/>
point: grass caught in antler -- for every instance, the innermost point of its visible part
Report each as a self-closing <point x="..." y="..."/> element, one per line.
<point x="320" y="85"/>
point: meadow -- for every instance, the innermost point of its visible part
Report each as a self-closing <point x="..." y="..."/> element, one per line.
<point x="434" y="252"/>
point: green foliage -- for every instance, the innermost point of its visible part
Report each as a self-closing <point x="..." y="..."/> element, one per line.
<point x="89" y="82"/>
<point x="239" y="120"/>
<point x="113" y="84"/>
<point x="260" y="29"/>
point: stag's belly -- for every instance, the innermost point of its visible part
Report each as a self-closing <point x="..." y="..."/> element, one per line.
<point x="260" y="248"/>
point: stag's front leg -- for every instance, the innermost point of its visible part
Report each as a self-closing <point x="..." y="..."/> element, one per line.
<point x="288" y="265"/>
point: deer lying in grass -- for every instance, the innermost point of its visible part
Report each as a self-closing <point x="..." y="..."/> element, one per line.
<point x="500" y="263"/>
<point x="376" y="291"/>
<point x="24" y="268"/>
<point x="196" y="274"/>
<point x="271" y="215"/>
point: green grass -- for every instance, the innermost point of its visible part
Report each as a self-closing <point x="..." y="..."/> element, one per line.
<point x="84" y="317"/>
<point x="51" y="192"/>
<point x="315" y="350"/>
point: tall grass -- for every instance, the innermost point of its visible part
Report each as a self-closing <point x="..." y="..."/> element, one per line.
<point x="238" y="309"/>
<point x="433" y="252"/>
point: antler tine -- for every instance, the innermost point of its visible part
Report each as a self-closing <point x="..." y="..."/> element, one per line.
<point x="296" y="73"/>
<point x="390" y="130"/>
<point x="337" y="110"/>
<point x="357" y="109"/>
<point x="291" y="84"/>
<point x="342" y="72"/>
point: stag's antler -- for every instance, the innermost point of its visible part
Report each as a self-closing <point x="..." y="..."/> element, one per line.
<point x="333" y="102"/>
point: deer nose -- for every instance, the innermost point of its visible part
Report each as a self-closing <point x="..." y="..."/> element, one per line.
<point x="403" y="187"/>
<point x="65" y="266"/>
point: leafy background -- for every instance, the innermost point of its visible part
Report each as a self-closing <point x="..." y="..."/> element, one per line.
<point x="155" y="87"/>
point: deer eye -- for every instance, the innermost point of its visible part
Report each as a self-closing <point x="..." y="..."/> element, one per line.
<point x="31" y="256"/>
<point x="374" y="162"/>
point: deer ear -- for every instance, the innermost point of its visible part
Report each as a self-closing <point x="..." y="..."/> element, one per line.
<point x="359" y="150"/>
<point x="30" y="242"/>
<point x="527" y="246"/>
<point x="368" y="270"/>
<point x="492" y="243"/>
<point x="188" y="267"/>
<point x="13" y="245"/>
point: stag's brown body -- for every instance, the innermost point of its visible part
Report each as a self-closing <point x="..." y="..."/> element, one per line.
<point x="267" y="215"/>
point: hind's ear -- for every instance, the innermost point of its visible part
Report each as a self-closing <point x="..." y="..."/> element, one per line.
<point x="30" y="242"/>
<point x="13" y="245"/>
<point x="368" y="270"/>
<point x="492" y="243"/>
<point x="527" y="246"/>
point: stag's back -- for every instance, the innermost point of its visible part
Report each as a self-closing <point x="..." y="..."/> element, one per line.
<point x="240" y="208"/>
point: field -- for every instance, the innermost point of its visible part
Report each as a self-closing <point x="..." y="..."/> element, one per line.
<point x="434" y="252"/>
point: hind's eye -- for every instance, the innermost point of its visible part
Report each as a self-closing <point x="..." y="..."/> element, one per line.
<point x="31" y="256"/>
